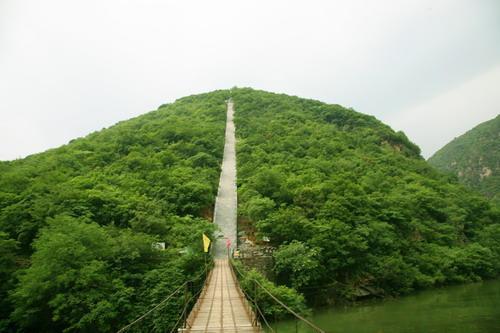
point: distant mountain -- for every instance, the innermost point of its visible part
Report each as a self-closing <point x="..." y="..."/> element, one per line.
<point x="474" y="158"/>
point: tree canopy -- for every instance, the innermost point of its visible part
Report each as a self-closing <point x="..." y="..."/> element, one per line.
<point x="350" y="203"/>
<point x="77" y="223"/>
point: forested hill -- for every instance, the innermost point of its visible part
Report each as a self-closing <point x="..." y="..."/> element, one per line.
<point x="351" y="205"/>
<point x="77" y="222"/>
<point x="474" y="158"/>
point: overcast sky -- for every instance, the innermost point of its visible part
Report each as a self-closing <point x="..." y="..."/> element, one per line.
<point x="430" y="68"/>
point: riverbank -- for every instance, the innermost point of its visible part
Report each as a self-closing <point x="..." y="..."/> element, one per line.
<point x="471" y="308"/>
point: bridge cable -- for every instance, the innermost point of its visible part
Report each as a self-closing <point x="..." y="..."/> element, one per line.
<point x="316" y="328"/>
<point x="185" y="309"/>
<point x="123" y="329"/>
<point x="254" y="301"/>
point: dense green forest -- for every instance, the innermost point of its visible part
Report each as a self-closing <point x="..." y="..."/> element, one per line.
<point x="351" y="206"/>
<point x="77" y="222"/>
<point x="474" y="158"/>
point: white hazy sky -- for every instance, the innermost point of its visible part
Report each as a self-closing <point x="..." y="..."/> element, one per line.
<point x="428" y="67"/>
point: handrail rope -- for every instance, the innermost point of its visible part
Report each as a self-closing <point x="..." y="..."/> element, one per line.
<point x="263" y="317"/>
<point x="185" y="308"/>
<point x="247" y="296"/>
<point x="289" y="309"/>
<point x="123" y="329"/>
<point x="179" y="319"/>
<point x="281" y="303"/>
<point x="195" y="295"/>
<point x="200" y="293"/>
<point x="253" y="301"/>
<point x="154" y="308"/>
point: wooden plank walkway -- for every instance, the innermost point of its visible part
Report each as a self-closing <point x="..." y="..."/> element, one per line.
<point x="222" y="306"/>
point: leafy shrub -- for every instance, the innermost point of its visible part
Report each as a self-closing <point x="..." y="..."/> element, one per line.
<point x="269" y="307"/>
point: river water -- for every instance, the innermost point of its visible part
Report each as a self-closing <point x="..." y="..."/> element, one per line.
<point x="472" y="308"/>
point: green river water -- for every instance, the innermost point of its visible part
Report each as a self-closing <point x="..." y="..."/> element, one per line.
<point x="473" y="308"/>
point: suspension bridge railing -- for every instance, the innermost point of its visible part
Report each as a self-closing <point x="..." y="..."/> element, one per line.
<point x="253" y="298"/>
<point x="190" y="291"/>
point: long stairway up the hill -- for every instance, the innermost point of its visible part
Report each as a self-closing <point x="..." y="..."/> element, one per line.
<point x="222" y="307"/>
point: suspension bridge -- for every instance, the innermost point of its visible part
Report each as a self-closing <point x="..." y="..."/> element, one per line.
<point x="221" y="304"/>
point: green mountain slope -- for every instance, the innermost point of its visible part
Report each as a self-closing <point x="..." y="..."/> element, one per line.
<point x="474" y="158"/>
<point x="77" y="222"/>
<point x="351" y="205"/>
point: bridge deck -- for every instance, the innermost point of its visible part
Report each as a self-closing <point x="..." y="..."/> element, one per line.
<point x="222" y="306"/>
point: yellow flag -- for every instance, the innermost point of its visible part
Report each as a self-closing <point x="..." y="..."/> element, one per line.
<point x="206" y="243"/>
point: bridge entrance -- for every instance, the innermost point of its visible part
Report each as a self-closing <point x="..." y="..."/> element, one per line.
<point x="222" y="307"/>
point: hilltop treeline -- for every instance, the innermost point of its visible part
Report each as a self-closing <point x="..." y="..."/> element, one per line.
<point x="77" y="222"/>
<point x="351" y="205"/>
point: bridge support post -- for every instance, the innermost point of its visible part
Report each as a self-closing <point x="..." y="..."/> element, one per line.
<point x="184" y="323"/>
<point x="255" y="302"/>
